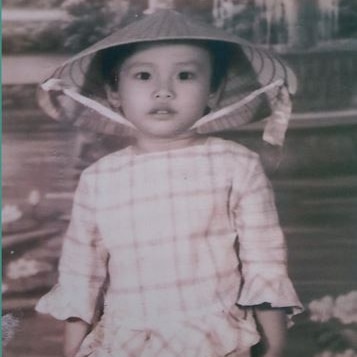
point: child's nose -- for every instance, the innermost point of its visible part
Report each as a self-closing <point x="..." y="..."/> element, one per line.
<point x="163" y="94"/>
<point x="164" y="90"/>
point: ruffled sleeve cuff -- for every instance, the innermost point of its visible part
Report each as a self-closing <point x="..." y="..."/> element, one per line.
<point x="277" y="292"/>
<point x="63" y="302"/>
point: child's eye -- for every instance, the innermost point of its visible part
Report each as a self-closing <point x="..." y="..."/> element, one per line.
<point x="144" y="76"/>
<point x="186" y="75"/>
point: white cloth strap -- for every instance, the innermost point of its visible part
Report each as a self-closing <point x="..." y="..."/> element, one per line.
<point x="57" y="84"/>
<point x="236" y="105"/>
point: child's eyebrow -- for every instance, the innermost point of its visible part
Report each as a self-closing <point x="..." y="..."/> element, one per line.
<point x="189" y="63"/>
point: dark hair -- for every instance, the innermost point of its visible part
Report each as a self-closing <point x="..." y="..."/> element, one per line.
<point x="112" y="58"/>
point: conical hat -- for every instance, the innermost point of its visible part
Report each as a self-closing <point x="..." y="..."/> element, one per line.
<point x="249" y="93"/>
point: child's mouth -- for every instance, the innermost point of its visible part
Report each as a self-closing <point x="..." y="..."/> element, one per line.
<point x="162" y="112"/>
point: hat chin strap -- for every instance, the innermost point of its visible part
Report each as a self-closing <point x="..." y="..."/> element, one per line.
<point x="57" y="84"/>
<point x="236" y="105"/>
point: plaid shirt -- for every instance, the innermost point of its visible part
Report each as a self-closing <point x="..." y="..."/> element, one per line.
<point x="158" y="231"/>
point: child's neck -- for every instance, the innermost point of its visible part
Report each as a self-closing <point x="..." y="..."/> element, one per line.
<point x="147" y="145"/>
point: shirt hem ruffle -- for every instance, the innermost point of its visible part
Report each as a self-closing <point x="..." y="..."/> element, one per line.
<point x="278" y="292"/>
<point x="61" y="304"/>
<point x="214" y="334"/>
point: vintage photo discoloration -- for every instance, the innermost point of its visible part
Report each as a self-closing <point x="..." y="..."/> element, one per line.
<point x="311" y="164"/>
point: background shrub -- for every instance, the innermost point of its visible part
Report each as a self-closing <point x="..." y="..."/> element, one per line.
<point x="39" y="4"/>
<point x="32" y="37"/>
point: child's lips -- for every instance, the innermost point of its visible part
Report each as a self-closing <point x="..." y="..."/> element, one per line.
<point x="162" y="111"/>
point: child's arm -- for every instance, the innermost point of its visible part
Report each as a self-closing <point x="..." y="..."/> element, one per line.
<point x="74" y="332"/>
<point x="78" y="296"/>
<point x="262" y="253"/>
<point x="272" y="323"/>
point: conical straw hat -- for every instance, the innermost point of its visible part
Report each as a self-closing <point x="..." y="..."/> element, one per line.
<point x="249" y="94"/>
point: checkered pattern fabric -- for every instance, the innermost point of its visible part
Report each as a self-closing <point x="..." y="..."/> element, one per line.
<point x="157" y="232"/>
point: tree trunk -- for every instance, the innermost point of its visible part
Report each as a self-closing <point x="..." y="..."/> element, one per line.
<point x="303" y="23"/>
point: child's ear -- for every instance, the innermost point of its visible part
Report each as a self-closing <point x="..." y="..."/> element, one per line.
<point x="215" y="96"/>
<point x="213" y="99"/>
<point x="113" y="96"/>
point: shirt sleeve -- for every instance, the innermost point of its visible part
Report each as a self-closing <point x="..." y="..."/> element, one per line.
<point x="261" y="243"/>
<point x="83" y="263"/>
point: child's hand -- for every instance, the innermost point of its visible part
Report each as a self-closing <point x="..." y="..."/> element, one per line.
<point x="74" y="333"/>
<point x="272" y="323"/>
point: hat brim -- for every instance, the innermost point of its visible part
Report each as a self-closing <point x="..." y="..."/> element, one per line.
<point x="260" y="69"/>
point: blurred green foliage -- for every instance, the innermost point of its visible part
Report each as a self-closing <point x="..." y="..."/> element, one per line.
<point x="347" y="19"/>
<point x="32" y="37"/>
<point x="39" y="4"/>
<point x="88" y="22"/>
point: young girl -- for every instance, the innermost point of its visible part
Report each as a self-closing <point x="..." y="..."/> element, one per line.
<point x="178" y="233"/>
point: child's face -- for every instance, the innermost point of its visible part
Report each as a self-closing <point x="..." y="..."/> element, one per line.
<point x="164" y="88"/>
